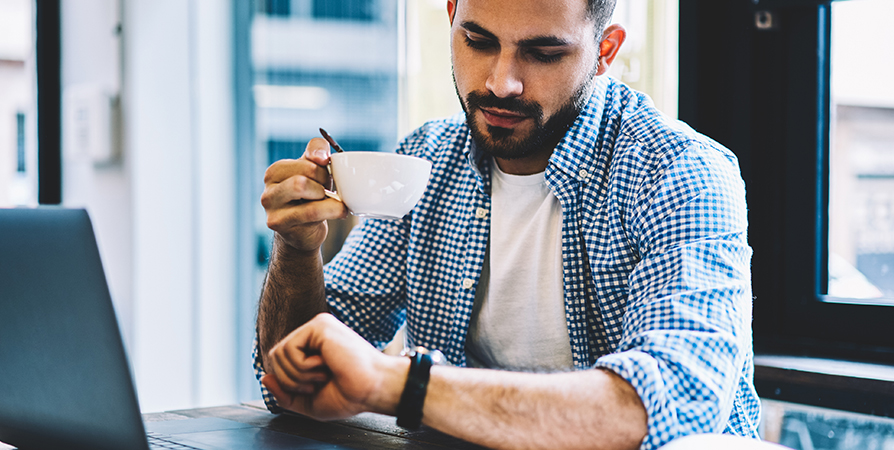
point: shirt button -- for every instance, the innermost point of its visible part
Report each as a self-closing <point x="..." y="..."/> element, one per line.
<point x="584" y="174"/>
<point x="468" y="283"/>
<point x="480" y="213"/>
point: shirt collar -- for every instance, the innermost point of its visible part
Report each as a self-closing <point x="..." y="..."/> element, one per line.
<point x="476" y="160"/>
<point x="576" y="153"/>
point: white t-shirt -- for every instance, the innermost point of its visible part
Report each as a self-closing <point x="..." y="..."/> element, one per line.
<point x="518" y="322"/>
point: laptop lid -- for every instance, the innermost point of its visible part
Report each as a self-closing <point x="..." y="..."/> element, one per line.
<point x="64" y="377"/>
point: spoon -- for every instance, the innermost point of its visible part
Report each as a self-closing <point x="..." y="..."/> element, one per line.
<point x="337" y="148"/>
<point x="331" y="141"/>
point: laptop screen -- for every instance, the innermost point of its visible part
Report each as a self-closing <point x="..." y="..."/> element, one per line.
<point x="64" y="378"/>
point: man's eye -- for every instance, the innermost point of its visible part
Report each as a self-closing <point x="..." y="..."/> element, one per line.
<point x="478" y="44"/>
<point x="546" y="57"/>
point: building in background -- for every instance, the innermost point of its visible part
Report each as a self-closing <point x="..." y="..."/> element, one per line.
<point x="18" y="149"/>
<point x="331" y="64"/>
<point x="325" y="63"/>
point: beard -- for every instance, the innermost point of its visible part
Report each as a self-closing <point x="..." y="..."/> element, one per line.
<point x="509" y="143"/>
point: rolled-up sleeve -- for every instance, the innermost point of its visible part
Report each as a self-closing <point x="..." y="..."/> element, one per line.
<point x="687" y="324"/>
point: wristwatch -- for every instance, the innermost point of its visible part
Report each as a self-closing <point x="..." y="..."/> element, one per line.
<point x="409" y="410"/>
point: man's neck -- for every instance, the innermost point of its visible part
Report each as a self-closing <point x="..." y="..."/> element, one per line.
<point x="525" y="166"/>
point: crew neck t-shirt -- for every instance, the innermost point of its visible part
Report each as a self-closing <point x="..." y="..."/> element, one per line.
<point x="518" y="321"/>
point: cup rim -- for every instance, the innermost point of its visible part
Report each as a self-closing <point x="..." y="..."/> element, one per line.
<point x="377" y="154"/>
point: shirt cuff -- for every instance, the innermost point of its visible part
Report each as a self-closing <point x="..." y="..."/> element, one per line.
<point x="668" y="417"/>
<point x="258" y="364"/>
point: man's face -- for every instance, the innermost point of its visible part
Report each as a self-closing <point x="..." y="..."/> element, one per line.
<point x="523" y="69"/>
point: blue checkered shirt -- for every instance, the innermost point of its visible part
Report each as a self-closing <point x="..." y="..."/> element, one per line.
<point x="656" y="264"/>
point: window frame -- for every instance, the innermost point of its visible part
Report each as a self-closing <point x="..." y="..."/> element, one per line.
<point x="764" y="93"/>
<point x="48" y="51"/>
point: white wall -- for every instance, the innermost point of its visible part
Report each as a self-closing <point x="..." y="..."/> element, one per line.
<point x="164" y="210"/>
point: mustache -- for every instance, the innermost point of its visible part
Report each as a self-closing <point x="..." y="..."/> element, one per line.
<point x="514" y="105"/>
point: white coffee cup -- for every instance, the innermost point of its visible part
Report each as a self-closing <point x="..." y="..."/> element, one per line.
<point x="378" y="184"/>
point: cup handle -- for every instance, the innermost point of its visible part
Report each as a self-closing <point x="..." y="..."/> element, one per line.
<point x="331" y="194"/>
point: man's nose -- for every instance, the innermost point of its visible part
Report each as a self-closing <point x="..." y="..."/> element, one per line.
<point x="505" y="80"/>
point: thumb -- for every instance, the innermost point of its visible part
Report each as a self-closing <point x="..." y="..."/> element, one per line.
<point x="317" y="151"/>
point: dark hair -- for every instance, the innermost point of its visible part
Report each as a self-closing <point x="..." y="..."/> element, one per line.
<point x="601" y="12"/>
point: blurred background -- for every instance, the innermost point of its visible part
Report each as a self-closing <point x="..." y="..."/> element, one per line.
<point x="172" y="109"/>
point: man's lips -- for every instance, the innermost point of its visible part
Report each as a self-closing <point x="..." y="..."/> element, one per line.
<point x="501" y="118"/>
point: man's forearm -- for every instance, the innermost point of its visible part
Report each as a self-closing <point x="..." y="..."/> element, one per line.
<point x="592" y="409"/>
<point x="293" y="293"/>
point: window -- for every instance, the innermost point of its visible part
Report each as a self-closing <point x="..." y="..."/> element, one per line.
<point x="18" y="150"/>
<point x="362" y="10"/>
<point x="330" y="64"/>
<point x="343" y="10"/>
<point x="759" y="77"/>
<point x="647" y="61"/>
<point x="275" y="7"/>
<point x="861" y="161"/>
<point x="20" y="142"/>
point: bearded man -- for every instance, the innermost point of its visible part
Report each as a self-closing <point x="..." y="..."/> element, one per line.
<point x="579" y="259"/>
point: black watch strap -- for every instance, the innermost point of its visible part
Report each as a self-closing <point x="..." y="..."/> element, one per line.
<point x="409" y="410"/>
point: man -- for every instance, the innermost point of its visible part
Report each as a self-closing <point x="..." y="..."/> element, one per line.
<point x="569" y="233"/>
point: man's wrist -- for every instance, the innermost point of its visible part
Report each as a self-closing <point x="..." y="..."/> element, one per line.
<point x="386" y="398"/>
<point x="284" y="251"/>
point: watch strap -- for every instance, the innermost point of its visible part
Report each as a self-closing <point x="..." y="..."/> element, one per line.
<point x="409" y="410"/>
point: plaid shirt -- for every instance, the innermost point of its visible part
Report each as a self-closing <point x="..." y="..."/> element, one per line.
<point x="656" y="262"/>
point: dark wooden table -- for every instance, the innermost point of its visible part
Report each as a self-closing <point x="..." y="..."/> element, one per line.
<point x="365" y="431"/>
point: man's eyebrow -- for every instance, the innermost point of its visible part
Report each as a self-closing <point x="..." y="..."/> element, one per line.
<point x="537" y="41"/>
<point x="544" y="41"/>
<point x="478" y="29"/>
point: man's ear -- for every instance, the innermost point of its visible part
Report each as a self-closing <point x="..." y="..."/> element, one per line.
<point x="612" y="39"/>
<point x="451" y="10"/>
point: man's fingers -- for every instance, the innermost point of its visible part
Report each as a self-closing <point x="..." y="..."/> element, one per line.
<point x="284" y="399"/>
<point x="287" y="168"/>
<point x="284" y="219"/>
<point x="298" y="187"/>
<point x="297" y="370"/>
<point x="293" y="191"/>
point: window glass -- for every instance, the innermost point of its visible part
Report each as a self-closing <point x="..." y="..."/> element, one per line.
<point x="344" y="10"/>
<point x="18" y="177"/>
<point x="861" y="164"/>
<point x="329" y="64"/>
<point x="648" y="59"/>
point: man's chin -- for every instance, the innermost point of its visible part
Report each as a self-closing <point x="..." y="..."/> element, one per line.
<point x="500" y="134"/>
<point x="502" y="142"/>
<point x="504" y="148"/>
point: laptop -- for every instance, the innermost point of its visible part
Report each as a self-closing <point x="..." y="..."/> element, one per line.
<point x="64" y="377"/>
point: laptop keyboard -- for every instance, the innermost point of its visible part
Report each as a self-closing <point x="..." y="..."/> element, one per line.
<point x="158" y="441"/>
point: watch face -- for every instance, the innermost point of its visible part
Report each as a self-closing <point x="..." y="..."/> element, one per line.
<point x="436" y="356"/>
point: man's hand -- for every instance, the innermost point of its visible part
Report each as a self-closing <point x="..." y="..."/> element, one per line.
<point x="325" y="370"/>
<point x="295" y="201"/>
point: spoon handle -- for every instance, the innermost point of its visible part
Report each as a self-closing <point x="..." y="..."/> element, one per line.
<point x="331" y="141"/>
